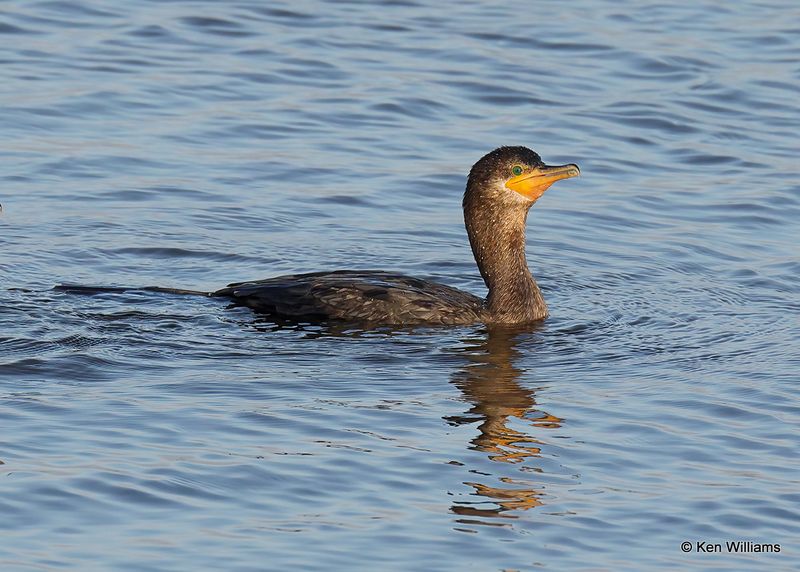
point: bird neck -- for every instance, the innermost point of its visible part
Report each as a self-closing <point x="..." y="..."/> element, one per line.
<point x="498" y="243"/>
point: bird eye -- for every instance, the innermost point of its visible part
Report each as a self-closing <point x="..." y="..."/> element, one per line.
<point x="516" y="170"/>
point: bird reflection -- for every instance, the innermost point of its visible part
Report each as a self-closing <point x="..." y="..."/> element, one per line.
<point x="504" y="411"/>
<point x="489" y="383"/>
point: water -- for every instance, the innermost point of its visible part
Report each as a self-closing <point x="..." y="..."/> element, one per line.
<point x="192" y="144"/>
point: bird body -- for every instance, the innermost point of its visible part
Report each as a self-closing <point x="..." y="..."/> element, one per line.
<point x="370" y="296"/>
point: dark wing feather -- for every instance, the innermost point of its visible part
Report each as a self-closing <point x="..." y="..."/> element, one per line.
<point x="361" y="296"/>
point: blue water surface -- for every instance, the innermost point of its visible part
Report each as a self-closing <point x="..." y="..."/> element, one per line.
<point x="192" y="144"/>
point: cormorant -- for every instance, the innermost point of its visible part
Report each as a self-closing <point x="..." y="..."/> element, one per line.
<point x="501" y="188"/>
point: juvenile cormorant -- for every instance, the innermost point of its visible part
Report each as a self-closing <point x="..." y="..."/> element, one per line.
<point x="501" y="187"/>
